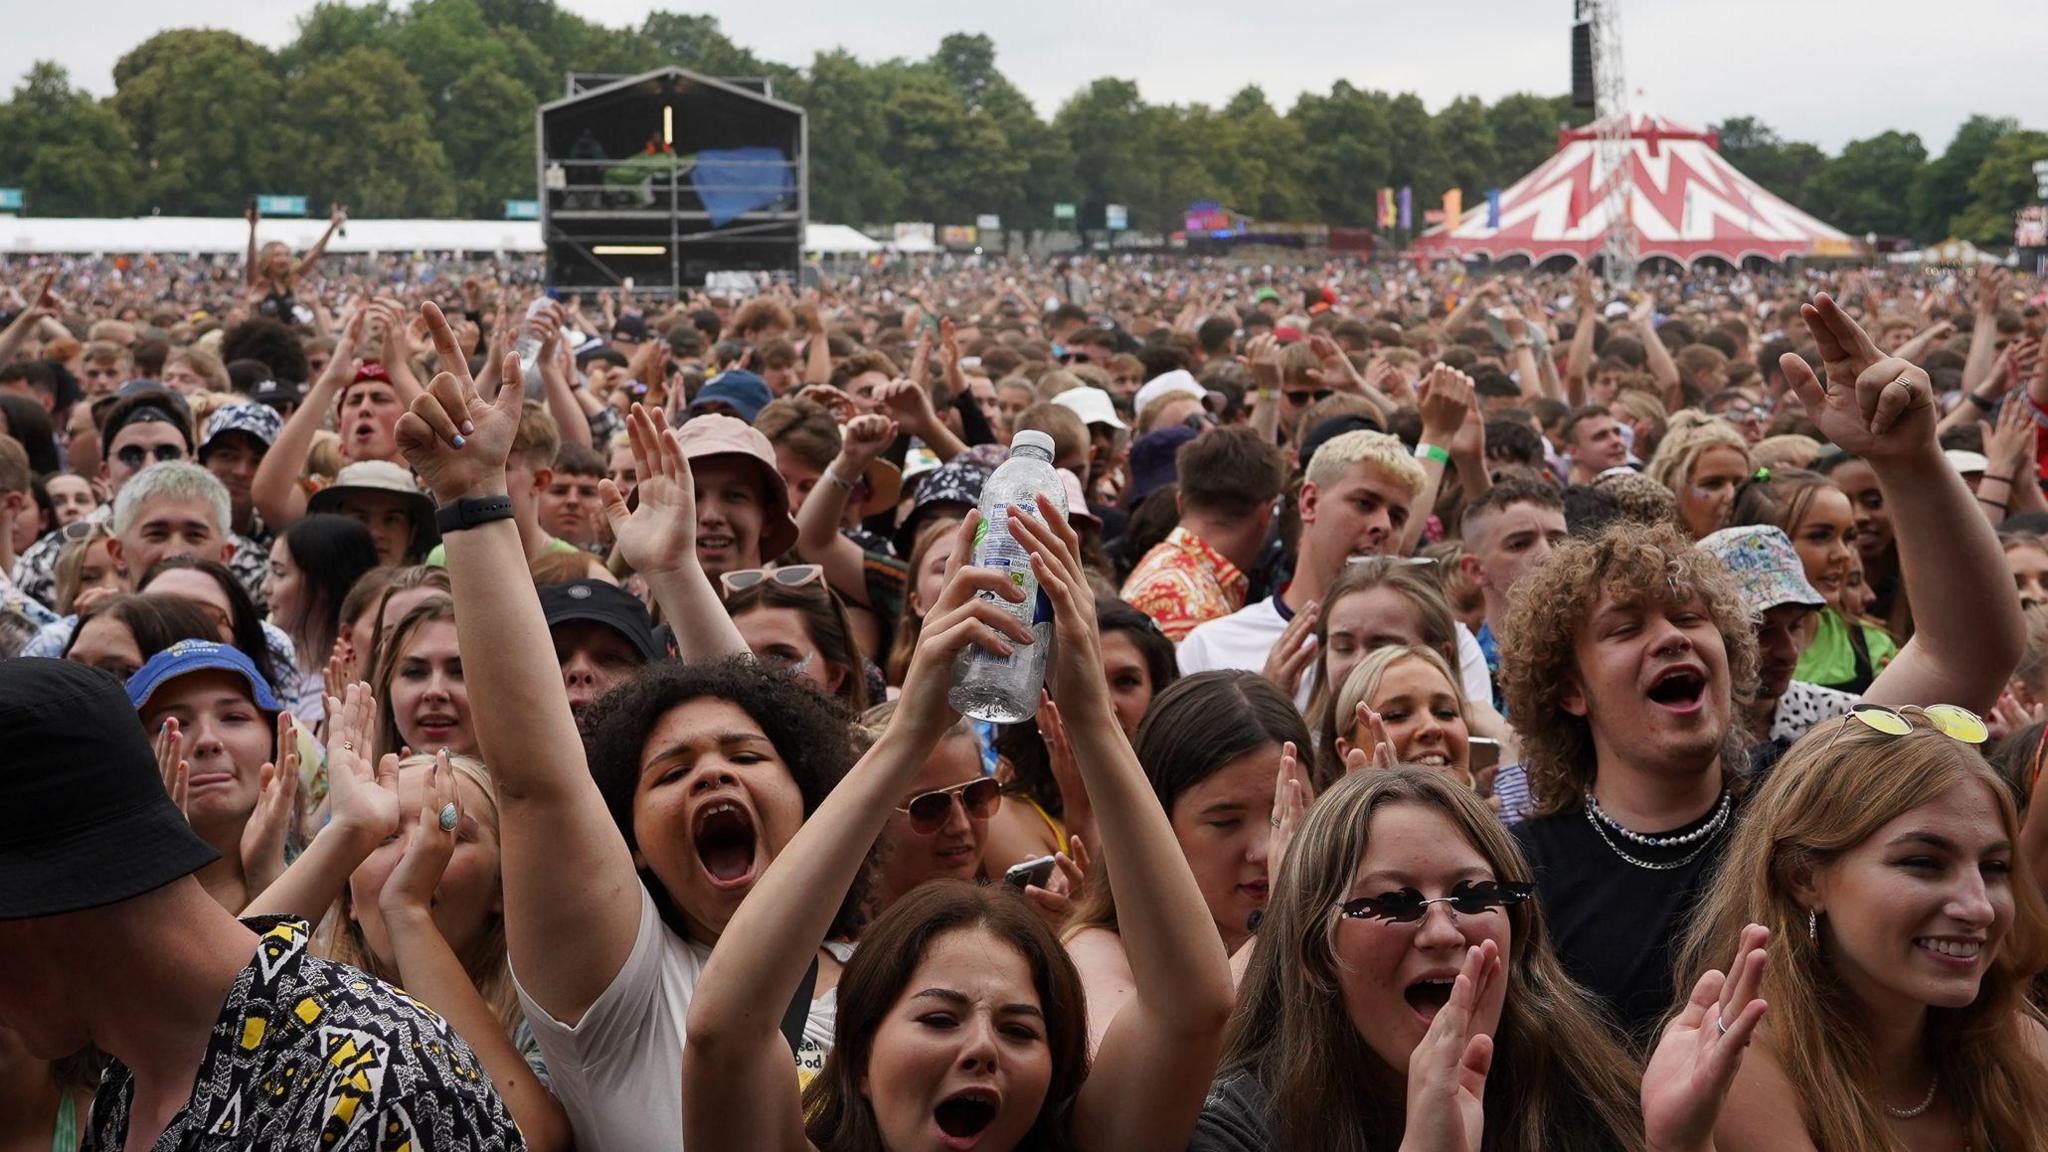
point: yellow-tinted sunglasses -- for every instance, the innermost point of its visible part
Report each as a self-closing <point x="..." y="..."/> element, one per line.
<point x="1957" y="723"/>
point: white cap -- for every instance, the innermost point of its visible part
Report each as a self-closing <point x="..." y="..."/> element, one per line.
<point x="1166" y="384"/>
<point x="1031" y="438"/>
<point x="1092" y="405"/>
<point x="1966" y="462"/>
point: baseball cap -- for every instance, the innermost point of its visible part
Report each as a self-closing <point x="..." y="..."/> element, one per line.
<point x="149" y="405"/>
<point x="1264" y="294"/>
<point x="1165" y="384"/>
<point x="250" y="419"/>
<point x="740" y="390"/>
<point x="1767" y="570"/>
<point x="189" y="656"/>
<point x="713" y="434"/>
<point x="276" y="393"/>
<point x="1328" y="430"/>
<point x="1966" y="462"/>
<point x="597" y="602"/>
<point x="1092" y="405"/>
<point x="84" y="817"/>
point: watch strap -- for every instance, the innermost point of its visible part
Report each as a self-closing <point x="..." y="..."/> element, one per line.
<point x="471" y="511"/>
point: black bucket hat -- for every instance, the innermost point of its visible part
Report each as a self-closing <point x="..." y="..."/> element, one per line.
<point x="84" y="818"/>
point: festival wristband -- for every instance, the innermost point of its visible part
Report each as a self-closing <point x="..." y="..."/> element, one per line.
<point x="1432" y="452"/>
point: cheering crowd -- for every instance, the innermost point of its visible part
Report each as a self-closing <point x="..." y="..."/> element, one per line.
<point x="1505" y="712"/>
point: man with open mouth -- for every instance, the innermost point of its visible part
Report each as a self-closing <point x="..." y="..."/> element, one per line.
<point x="1627" y="661"/>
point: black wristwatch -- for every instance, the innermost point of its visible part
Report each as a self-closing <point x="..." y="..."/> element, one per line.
<point x="472" y="511"/>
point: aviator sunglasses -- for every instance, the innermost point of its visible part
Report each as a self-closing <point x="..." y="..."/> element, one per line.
<point x="929" y="811"/>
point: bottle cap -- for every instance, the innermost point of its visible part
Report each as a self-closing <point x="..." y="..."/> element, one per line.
<point x="1031" y="438"/>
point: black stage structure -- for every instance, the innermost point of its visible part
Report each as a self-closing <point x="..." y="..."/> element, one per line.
<point x="668" y="178"/>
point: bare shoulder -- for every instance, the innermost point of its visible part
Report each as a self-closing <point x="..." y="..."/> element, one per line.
<point x="1763" y="1113"/>
<point x="1100" y="950"/>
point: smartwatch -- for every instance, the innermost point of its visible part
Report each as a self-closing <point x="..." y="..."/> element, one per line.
<point x="472" y="511"/>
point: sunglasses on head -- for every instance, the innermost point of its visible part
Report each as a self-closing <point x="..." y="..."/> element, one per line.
<point x="1407" y="906"/>
<point x="1952" y="721"/>
<point x="792" y="576"/>
<point x="929" y="811"/>
<point x="82" y="529"/>
<point x="134" y="455"/>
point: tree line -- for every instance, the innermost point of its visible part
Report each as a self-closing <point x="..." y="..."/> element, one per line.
<point x="427" y="110"/>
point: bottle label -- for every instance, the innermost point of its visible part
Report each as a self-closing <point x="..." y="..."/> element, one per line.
<point x="994" y="547"/>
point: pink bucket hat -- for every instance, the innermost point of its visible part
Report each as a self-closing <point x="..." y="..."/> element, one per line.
<point x="710" y="435"/>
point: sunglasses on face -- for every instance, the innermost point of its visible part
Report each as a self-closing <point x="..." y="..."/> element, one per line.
<point x="133" y="456"/>
<point x="82" y="529"/>
<point x="1309" y="397"/>
<point x="1407" y="906"/>
<point x="792" y="576"/>
<point x="929" y="811"/>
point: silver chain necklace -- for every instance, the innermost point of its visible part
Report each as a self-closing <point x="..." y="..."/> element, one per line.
<point x="1704" y="834"/>
<point x="1910" y="1113"/>
<point x="1693" y="837"/>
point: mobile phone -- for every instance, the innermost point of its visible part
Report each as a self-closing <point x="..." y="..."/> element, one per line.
<point x="1030" y="874"/>
<point x="1482" y="753"/>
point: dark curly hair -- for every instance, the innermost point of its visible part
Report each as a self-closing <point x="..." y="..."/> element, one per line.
<point x="812" y="735"/>
<point x="1552" y="603"/>
<point x="272" y="343"/>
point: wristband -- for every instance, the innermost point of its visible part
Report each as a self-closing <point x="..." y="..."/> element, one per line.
<point x="471" y="511"/>
<point x="1432" y="452"/>
<point x="833" y="477"/>
<point x="1982" y="404"/>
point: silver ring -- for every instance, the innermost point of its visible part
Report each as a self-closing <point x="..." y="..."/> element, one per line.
<point x="1899" y="379"/>
<point x="1720" y="1024"/>
<point x="449" y="816"/>
<point x="1276" y="821"/>
<point x="347" y="747"/>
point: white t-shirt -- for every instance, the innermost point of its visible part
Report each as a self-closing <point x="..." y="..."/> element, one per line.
<point x="1243" y="638"/>
<point x="619" y="1071"/>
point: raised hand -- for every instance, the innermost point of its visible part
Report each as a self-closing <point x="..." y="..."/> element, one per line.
<point x="908" y="402"/>
<point x="1290" y="655"/>
<point x="1290" y="807"/>
<point x="456" y="440"/>
<point x="865" y="438"/>
<point x="409" y="889"/>
<point x="1447" y="397"/>
<point x="1688" y="1076"/>
<point x="2010" y="443"/>
<point x="171" y="763"/>
<point x="1055" y="901"/>
<point x="960" y="618"/>
<point x="362" y="800"/>
<point x="660" y="533"/>
<point x="1056" y="560"/>
<point x="1875" y="406"/>
<point x="1356" y="756"/>
<point x="277" y="809"/>
<point x="1447" y="1071"/>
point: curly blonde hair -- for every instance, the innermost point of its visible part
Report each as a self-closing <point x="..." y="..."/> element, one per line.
<point x="1632" y="562"/>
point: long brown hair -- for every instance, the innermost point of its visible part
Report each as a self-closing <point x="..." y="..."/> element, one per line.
<point x="1839" y="785"/>
<point x="839" y="1116"/>
<point x="910" y="622"/>
<point x="1418" y="584"/>
<point x="1560" y="1079"/>
<point x="430" y="610"/>
<point x="824" y="617"/>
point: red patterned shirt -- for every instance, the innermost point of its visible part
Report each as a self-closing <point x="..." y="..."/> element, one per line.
<point x="1183" y="582"/>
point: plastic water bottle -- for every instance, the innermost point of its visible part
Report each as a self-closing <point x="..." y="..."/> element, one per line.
<point x="1004" y="689"/>
<point x="528" y="348"/>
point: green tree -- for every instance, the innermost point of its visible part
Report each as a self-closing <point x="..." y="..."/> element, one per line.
<point x="1111" y="135"/>
<point x="843" y="101"/>
<point x="1941" y="190"/>
<point x="1416" y="157"/>
<point x="2002" y="185"/>
<point x="697" y="43"/>
<point x="953" y="159"/>
<point x="1261" y="158"/>
<point x="365" y="137"/>
<point x="334" y="27"/>
<point x="1465" y="133"/>
<point x="1345" y="141"/>
<point x="203" y="109"/>
<point x="487" y="133"/>
<point x="1784" y="168"/>
<point x="1525" y="131"/>
<point x="1864" y="189"/>
<point x="69" y="154"/>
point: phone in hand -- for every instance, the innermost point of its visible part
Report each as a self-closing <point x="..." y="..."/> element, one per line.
<point x="1482" y="753"/>
<point x="1030" y="874"/>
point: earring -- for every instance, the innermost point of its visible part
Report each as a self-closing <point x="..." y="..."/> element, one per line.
<point x="1813" y="926"/>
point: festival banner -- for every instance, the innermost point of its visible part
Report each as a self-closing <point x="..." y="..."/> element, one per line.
<point x="1493" y="208"/>
<point x="1407" y="217"/>
<point x="1386" y="208"/>
<point x="1454" y="207"/>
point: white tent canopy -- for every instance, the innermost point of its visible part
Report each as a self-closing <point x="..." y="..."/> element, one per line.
<point x="201" y="235"/>
<point x="1947" y="252"/>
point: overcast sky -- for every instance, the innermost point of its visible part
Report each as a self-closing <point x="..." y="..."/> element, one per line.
<point x="1828" y="71"/>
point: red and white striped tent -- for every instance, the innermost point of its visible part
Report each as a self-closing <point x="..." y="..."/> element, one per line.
<point x="1687" y="203"/>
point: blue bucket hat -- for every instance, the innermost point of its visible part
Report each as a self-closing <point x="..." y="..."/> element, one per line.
<point x="188" y="656"/>
<point x="740" y="390"/>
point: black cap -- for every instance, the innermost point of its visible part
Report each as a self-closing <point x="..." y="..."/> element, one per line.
<point x="146" y="404"/>
<point x="1330" y="429"/>
<point x="630" y="326"/>
<point x="84" y="818"/>
<point x="598" y="602"/>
